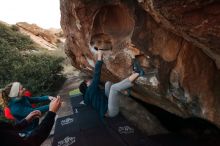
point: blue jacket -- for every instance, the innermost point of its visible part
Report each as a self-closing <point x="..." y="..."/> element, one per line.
<point x="21" y="107"/>
<point x="95" y="96"/>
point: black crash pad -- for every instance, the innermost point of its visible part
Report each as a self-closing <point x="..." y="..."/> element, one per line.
<point x="85" y="128"/>
<point x="88" y="118"/>
<point x="67" y="131"/>
<point x="67" y="123"/>
<point x="128" y="132"/>
<point x="68" y="139"/>
<point x="76" y="101"/>
<point x="100" y="137"/>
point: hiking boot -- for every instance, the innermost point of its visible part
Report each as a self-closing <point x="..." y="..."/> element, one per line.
<point x="137" y="68"/>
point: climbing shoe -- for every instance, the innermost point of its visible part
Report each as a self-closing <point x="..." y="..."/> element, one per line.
<point x="136" y="67"/>
<point x="126" y="92"/>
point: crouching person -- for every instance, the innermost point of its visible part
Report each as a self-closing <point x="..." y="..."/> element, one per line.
<point x="21" y="106"/>
<point x="10" y="133"/>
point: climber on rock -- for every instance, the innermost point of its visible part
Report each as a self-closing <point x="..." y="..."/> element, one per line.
<point x="106" y="101"/>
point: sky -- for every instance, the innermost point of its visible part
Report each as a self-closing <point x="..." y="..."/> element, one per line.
<point x="44" y="13"/>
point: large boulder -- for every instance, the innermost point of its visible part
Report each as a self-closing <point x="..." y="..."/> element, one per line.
<point x="46" y="38"/>
<point x="176" y="42"/>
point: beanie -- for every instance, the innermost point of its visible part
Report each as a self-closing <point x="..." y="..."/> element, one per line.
<point x="14" y="89"/>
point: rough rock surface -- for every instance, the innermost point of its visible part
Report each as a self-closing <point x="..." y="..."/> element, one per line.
<point x="177" y="43"/>
<point x="45" y="38"/>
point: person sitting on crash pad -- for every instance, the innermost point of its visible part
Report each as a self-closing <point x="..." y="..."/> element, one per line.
<point x="20" y="105"/>
<point x="9" y="133"/>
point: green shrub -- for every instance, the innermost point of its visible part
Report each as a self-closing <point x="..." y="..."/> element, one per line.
<point x="9" y="58"/>
<point x="14" y="38"/>
<point x="40" y="73"/>
<point x="15" y="28"/>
